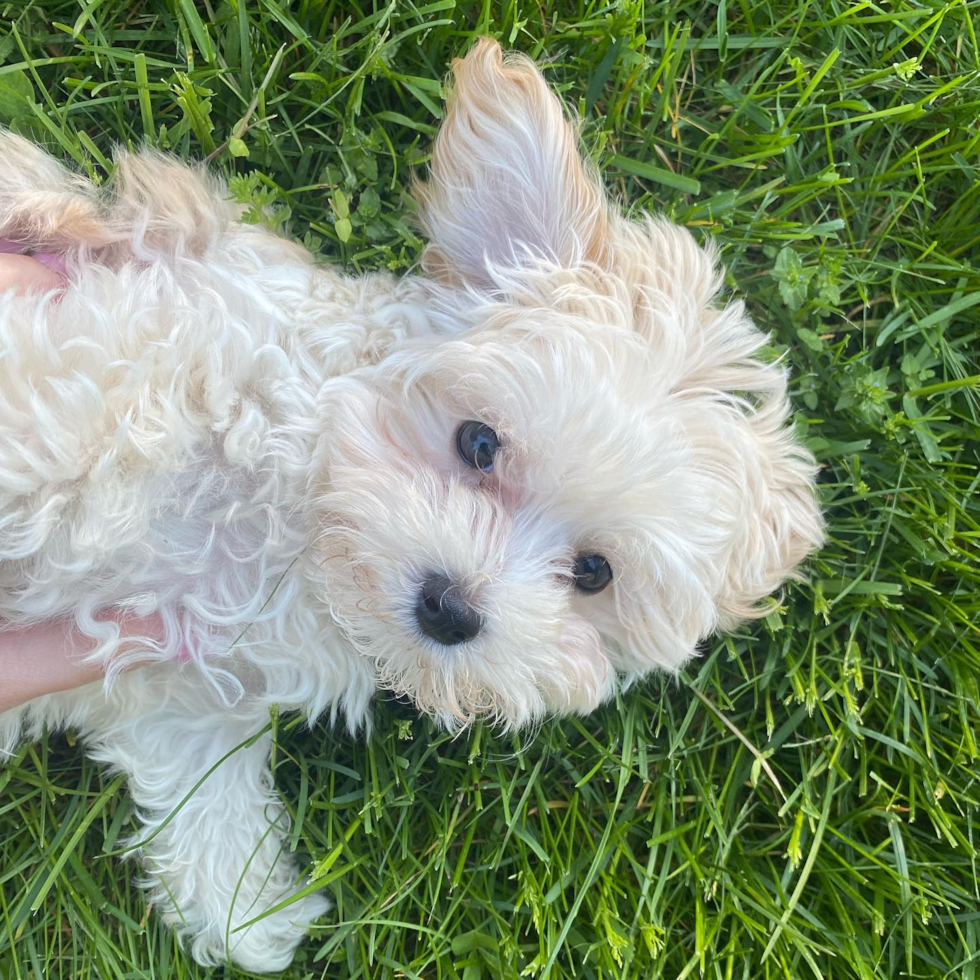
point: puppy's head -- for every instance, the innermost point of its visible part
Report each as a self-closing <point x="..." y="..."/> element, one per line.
<point x="587" y="472"/>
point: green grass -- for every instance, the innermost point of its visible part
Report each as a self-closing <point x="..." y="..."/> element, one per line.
<point x="804" y="801"/>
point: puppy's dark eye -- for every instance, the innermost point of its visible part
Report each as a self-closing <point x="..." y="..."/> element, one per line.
<point x="592" y="573"/>
<point x="477" y="444"/>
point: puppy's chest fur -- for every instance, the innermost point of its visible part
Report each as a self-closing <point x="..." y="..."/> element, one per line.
<point x="158" y="427"/>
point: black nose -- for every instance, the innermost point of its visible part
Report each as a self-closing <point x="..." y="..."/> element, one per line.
<point x="444" y="614"/>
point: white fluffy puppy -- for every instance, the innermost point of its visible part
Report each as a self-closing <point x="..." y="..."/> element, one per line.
<point x="498" y="489"/>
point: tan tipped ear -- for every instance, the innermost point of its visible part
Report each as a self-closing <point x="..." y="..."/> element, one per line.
<point x="158" y="198"/>
<point x="44" y="205"/>
<point x="507" y="184"/>
<point x="170" y="202"/>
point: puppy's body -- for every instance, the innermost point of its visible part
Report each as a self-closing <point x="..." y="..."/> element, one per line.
<point x="163" y="469"/>
<point x="208" y="426"/>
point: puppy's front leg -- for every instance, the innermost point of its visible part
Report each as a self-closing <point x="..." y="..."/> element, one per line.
<point x="215" y="858"/>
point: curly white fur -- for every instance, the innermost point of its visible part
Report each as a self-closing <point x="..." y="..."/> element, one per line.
<point x="209" y="426"/>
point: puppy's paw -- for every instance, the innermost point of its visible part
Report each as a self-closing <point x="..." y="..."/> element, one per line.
<point x="269" y="945"/>
<point x="266" y="946"/>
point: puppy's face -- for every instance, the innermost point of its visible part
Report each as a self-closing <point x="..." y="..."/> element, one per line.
<point x="588" y="476"/>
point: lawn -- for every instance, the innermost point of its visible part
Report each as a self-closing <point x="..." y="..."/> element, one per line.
<point x="803" y="800"/>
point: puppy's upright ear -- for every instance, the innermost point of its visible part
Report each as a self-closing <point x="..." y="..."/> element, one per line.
<point x="507" y="184"/>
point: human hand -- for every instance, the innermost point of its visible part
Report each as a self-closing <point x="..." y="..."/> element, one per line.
<point x="25" y="273"/>
<point x="45" y="658"/>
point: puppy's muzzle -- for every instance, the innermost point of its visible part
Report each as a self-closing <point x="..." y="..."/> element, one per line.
<point x="443" y="614"/>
